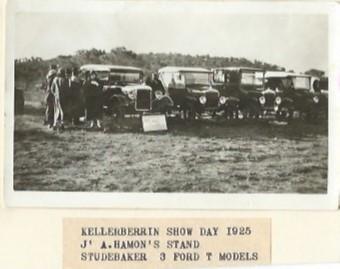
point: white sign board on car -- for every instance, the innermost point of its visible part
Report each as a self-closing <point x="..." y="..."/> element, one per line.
<point x="152" y="123"/>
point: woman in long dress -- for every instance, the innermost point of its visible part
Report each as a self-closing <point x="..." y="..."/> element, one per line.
<point x="93" y="99"/>
<point x="59" y="89"/>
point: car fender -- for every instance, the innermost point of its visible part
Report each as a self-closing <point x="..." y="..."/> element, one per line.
<point x="255" y="99"/>
<point x="191" y="99"/>
<point x="165" y="102"/>
<point x="232" y="100"/>
<point x="286" y="103"/>
<point x="119" y="100"/>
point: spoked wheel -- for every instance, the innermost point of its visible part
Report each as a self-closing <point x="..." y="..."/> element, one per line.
<point x="284" y="115"/>
<point x="231" y="114"/>
<point x="119" y="112"/>
<point x="228" y="114"/>
<point x="244" y="114"/>
<point x="251" y="115"/>
<point x="250" y="111"/>
<point x="312" y="116"/>
<point x="189" y="112"/>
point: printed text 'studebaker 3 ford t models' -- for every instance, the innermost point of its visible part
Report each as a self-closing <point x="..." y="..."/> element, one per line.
<point x="244" y="90"/>
<point x="123" y="89"/>
<point x="299" y="93"/>
<point x="190" y="90"/>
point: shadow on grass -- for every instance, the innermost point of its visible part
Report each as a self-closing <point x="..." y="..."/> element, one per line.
<point x="204" y="128"/>
<point x="34" y="135"/>
<point x="247" y="129"/>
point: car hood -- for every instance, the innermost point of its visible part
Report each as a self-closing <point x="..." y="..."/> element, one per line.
<point x="268" y="91"/>
<point x="132" y="88"/>
<point x="201" y="89"/>
<point x="129" y="88"/>
<point x="256" y="90"/>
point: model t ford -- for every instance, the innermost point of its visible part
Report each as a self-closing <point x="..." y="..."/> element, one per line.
<point x="190" y="90"/>
<point x="245" y="94"/>
<point x="300" y="93"/>
<point x="123" y="89"/>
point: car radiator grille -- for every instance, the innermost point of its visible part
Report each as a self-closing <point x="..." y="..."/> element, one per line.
<point x="143" y="100"/>
<point x="212" y="99"/>
<point x="270" y="100"/>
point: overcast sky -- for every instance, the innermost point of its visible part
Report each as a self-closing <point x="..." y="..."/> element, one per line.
<point x="298" y="42"/>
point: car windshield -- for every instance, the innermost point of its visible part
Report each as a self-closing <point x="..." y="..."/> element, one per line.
<point x="279" y="83"/>
<point x="301" y="83"/>
<point x="123" y="76"/>
<point x="252" y="78"/>
<point x="192" y="78"/>
<point x="219" y="76"/>
<point x="102" y="75"/>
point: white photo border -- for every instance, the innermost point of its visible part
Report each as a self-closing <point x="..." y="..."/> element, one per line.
<point x="202" y="201"/>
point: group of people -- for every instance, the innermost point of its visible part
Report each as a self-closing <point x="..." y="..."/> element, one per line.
<point x="69" y="98"/>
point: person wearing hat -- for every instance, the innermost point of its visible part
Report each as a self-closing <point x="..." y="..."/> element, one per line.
<point x="49" y="97"/>
<point x="59" y="89"/>
<point x="93" y="99"/>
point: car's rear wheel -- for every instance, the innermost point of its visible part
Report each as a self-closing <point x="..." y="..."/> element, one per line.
<point x="119" y="112"/>
<point x="284" y="114"/>
<point x="231" y="112"/>
<point x="191" y="112"/>
<point x="312" y="116"/>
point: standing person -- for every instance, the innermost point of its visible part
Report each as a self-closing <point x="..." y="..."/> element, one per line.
<point x="155" y="83"/>
<point x="49" y="97"/>
<point x="93" y="99"/>
<point x="59" y="89"/>
<point x="67" y="104"/>
<point x="75" y="97"/>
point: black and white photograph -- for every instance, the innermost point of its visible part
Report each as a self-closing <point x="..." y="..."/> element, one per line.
<point x="162" y="98"/>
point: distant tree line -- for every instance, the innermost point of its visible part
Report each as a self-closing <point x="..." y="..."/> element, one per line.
<point x="34" y="68"/>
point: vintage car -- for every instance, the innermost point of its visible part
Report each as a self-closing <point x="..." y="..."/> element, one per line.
<point x="190" y="90"/>
<point x="323" y="84"/>
<point x="243" y="88"/>
<point x="123" y="89"/>
<point x="300" y="93"/>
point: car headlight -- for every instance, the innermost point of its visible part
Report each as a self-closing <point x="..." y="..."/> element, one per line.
<point x="158" y="94"/>
<point x="131" y="95"/>
<point x="316" y="99"/>
<point x="203" y="99"/>
<point x="223" y="100"/>
<point x="278" y="100"/>
<point x="262" y="100"/>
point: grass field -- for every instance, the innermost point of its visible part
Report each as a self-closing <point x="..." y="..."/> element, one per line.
<point x="202" y="156"/>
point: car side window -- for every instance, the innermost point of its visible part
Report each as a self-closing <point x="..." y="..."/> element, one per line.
<point x="316" y="85"/>
<point x="227" y="77"/>
<point x="219" y="76"/>
<point x="179" y="79"/>
<point x="165" y="79"/>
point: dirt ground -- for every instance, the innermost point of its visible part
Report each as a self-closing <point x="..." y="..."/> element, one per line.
<point x="203" y="156"/>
